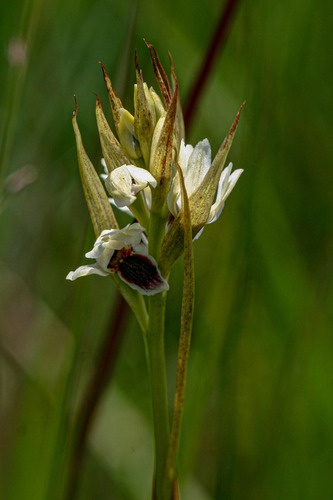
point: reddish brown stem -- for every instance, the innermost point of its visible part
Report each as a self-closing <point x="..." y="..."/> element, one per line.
<point x="213" y="49"/>
<point x="104" y="368"/>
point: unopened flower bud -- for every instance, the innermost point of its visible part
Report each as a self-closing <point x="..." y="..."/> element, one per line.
<point x="127" y="136"/>
<point x="145" y="115"/>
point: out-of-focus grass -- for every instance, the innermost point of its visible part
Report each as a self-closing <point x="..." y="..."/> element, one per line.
<point x="258" y="416"/>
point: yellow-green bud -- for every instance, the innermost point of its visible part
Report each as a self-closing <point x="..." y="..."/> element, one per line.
<point x="145" y="115"/>
<point x="126" y="134"/>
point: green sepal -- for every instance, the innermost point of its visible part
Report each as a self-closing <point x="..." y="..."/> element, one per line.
<point x="100" y="210"/>
<point x="113" y="153"/>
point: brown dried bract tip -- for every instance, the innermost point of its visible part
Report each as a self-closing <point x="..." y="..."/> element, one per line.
<point x="138" y="70"/>
<point x="115" y="101"/>
<point x="76" y="107"/>
<point x="172" y="67"/>
<point x="161" y="77"/>
<point x="137" y="62"/>
<point x="234" y="125"/>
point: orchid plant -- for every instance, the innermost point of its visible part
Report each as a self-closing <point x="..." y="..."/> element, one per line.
<point x="170" y="190"/>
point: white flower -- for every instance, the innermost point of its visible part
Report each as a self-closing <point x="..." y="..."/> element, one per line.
<point x="195" y="163"/>
<point x="125" y="252"/>
<point x="125" y="182"/>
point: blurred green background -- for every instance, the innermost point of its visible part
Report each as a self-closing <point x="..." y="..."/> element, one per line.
<point x="258" y="418"/>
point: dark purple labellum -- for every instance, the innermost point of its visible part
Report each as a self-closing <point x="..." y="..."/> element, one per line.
<point x="139" y="270"/>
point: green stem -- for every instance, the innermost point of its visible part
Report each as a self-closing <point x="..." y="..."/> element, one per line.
<point x="140" y="211"/>
<point x="156" y="233"/>
<point x="158" y="383"/>
<point x="170" y="483"/>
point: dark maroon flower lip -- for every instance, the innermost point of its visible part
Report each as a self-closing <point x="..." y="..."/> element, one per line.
<point x="139" y="271"/>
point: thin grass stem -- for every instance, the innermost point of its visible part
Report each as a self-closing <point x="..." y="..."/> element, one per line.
<point x="104" y="368"/>
<point x="213" y="49"/>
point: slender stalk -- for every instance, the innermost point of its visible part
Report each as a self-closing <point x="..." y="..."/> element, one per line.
<point x="158" y="383"/>
<point x="170" y="483"/>
<point x="208" y="60"/>
<point x="104" y="367"/>
<point x="156" y="233"/>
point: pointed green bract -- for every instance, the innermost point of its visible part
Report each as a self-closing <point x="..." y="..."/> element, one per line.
<point x="180" y="125"/>
<point x="100" y="210"/>
<point x="162" y="156"/>
<point x="115" y="102"/>
<point x="113" y="153"/>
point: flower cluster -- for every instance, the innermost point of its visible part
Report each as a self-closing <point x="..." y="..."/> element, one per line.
<point x="143" y="170"/>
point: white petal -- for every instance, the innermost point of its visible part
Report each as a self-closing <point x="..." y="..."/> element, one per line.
<point x="198" y="165"/>
<point x="232" y="181"/>
<point x="85" y="271"/>
<point x="125" y="209"/>
<point x="222" y="187"/>
<point x="226" y="184"/>
<point x="147" y="195"/>
<point x="119" y="185"/>
<point x="105" y="168"/>
<point x="194" y="162"/>
<point x="215" y="212"/>
<point x="174" y="197"/>
<point x="184" y="154"/>
<point x="141" y="175"/>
